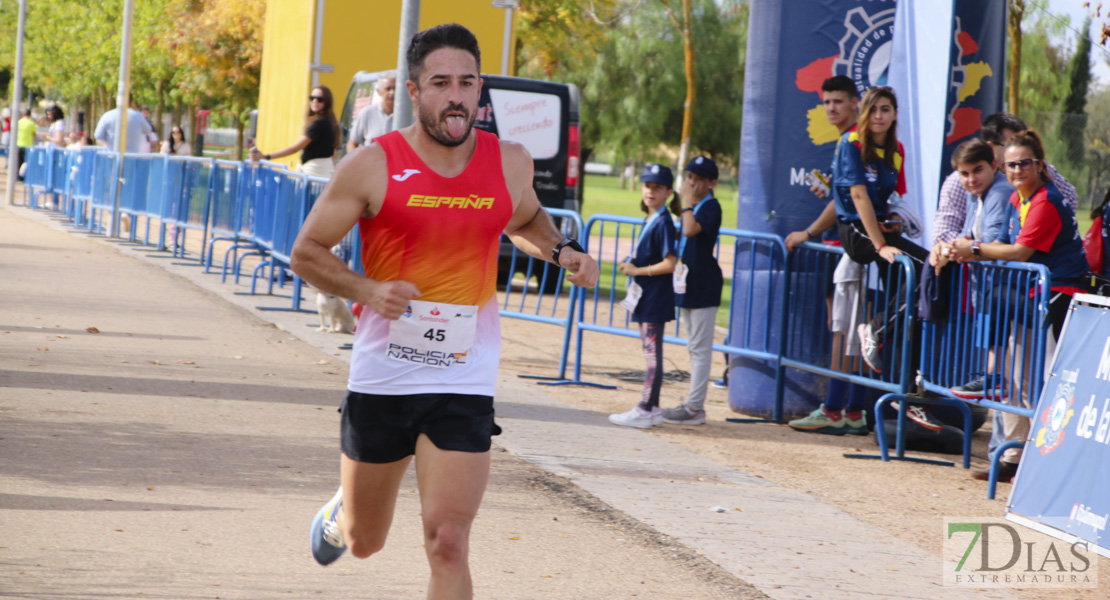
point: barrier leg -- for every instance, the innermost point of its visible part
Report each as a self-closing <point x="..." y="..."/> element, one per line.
<point x="296" y="307"/>
<point x="900" y="443"/>
<point x="965" y="411"/>
<point x="996" y="457"/>
<point x="239" y="263"/>
<point x="578" y="369"/>
<point x="566" y="344"/>
<point x="233" y="260"/>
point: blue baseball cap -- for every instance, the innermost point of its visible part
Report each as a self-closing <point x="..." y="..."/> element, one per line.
<point x="657" y="173"/>
<point x="703" y="167"/>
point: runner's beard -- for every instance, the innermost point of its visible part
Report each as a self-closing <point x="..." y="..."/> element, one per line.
<point x="437" y="126"/>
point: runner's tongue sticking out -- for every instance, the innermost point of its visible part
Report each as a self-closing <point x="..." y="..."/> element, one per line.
<point x="456" y="124"/>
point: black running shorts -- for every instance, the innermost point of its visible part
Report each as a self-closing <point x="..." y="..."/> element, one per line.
<point x="384" y="429"/>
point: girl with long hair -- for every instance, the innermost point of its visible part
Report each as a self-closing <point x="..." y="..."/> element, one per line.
<point x="651" y="264"/>
<point x="867" y="171"/>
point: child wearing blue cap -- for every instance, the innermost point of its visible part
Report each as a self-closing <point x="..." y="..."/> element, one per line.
<point x="651" y="265"/>
<point x="697" y="283"/>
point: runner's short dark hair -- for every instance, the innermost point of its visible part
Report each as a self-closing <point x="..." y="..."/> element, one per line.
<point x="840" y="83"/>
<point x="424" y="43"/>
<point x="994" y="124"/>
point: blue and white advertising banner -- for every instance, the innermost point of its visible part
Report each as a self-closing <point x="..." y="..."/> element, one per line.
<point x="944" y="59"/>
<point x="793" y="47"/>
<point x="1063" y="483"/>
<point x="946" y="68"/>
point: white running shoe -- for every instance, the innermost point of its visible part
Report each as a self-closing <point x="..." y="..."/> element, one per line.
<point x="638" y="418"/>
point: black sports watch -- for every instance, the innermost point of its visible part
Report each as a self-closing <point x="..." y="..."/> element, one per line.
<point x="574" y="245"/>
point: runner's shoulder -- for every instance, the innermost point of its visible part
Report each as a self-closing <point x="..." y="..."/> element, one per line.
<point x="515" y="156"/>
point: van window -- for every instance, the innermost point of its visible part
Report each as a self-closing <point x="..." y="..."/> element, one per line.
<point x="529" y="119"/>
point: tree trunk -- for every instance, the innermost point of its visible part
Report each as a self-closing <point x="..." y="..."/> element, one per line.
<point x="159" y="128"/>
<point x="685" y="28"/>
<point x="178" y="106"/>
<point x="90" y="123"/>
<point x="1017" y="11"/>
<point x="191" y="118"/>
<point x="240" y="133"/>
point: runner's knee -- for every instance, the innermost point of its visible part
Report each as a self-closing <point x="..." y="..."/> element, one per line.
<point x="446" y="544"/>
<point x="362" y="541"/>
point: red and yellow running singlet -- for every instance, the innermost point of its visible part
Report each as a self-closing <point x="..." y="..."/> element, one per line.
<point x="443" y="235"/>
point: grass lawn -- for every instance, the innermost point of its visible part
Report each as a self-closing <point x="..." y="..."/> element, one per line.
<point x="602" y="195"/>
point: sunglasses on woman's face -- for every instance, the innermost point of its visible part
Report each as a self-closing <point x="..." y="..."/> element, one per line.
<point x="1020" y="165"/>
<point x="316" y="98"/>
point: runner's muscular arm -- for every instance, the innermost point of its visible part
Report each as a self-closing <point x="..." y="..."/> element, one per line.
<point x="356" y="189"/>
<point x="531" y="228"/>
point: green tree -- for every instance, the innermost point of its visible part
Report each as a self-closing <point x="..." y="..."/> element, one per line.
<point x="1073" y="115"/>
<point x="218" y="53"/>
<point x="633" y="95"/>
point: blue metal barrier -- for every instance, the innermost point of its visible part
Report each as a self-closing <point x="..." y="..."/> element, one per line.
<point x="81" y="186"/>
<point x="266" y="185"/>
<point x="610" y="239"/>
<point x="190" y="200"/>
<point x="54" y="184"/>
<point x="104" y="184"/>
<point x="62" y="181"/>
<point x="297" y="195"/>
<point x="809" y="345"/>
<point x="230" y="201"/>
<point x="760" y="333"/>
<point x="554" y="299"/>
<point x="36" y="179"/>
<point x="134" y="196"/>
<point x="811" y="271"/>
<point x="994" y="308"/>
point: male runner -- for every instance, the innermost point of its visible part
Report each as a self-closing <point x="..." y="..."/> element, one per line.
<point x="431" y="201"/>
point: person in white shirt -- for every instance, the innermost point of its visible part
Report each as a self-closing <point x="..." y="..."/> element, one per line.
<point x="375" y="120"/>
<point x="137" y="128"/>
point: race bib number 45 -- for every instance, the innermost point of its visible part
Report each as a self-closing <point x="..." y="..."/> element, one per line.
<point x="433" y="334"/>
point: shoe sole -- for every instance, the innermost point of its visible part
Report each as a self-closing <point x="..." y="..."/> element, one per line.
<point x="976" y="395"/>
<point x="686" y="422"/>
<point x="856" y="431"/>
<point x="863" y="344"/>
<point x="824" y="430"/>
<point x="633" y="425"/>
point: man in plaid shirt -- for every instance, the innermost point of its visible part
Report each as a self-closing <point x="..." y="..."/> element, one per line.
<point x="952" y="207"/>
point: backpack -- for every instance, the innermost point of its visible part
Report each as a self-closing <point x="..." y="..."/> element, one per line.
<point x="1094" y="246"/>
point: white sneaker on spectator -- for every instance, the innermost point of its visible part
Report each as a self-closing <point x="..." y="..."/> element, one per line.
<point x="638" y="418"/>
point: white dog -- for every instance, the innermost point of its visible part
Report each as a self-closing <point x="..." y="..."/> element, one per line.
<point x="333" y="309"/>
<point x="335" y="316"/>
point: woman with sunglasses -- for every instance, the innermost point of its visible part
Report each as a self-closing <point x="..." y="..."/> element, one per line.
<point x="321" y="137"/>
<point x="176" y="145"/>
<point x="1040" y="227"/>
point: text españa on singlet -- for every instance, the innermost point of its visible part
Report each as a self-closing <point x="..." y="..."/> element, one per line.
<point x="471" y="201"/>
